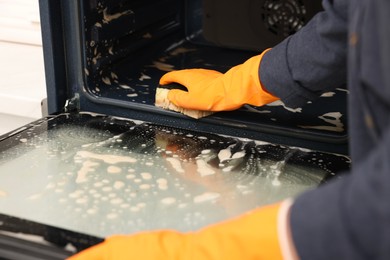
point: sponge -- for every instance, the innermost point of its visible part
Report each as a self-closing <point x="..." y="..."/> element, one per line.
<point x="163" y="102"/>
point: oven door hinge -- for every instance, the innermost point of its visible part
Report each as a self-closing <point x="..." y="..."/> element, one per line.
<point x="72" y="105"/>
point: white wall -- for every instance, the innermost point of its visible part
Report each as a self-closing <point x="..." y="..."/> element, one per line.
<point x="22" y="79"/>
<point x="19" y="21"/>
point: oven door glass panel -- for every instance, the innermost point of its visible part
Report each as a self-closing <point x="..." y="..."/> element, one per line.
<point x="101" y="175"/>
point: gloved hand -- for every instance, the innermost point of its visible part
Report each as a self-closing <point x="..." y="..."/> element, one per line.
<point x="210" y="90"/>
<point x="251" y="236"/>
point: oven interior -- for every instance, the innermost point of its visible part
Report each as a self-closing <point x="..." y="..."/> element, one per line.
<point x="116" y="52"/>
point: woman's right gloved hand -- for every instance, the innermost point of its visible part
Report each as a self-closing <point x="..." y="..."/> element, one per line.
<point x="210" y="90"/>
<point x="254" y="235"/>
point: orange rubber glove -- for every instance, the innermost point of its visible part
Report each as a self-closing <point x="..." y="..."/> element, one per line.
<point x="251" y="236"/>
<point x="210" y="90"/>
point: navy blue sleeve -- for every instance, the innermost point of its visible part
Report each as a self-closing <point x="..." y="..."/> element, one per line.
<point x="349" y="218"/>
<point x="311" y="61"/>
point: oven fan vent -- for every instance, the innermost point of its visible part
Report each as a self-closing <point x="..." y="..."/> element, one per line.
<point x="283" y="17"/>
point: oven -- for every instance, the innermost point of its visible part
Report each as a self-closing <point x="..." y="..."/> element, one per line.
<point x="106" y="160"/>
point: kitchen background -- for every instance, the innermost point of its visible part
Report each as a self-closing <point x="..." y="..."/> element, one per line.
<point x="22" y="76"/>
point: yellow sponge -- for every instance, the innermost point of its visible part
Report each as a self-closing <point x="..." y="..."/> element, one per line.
<point x="163" y="102"/>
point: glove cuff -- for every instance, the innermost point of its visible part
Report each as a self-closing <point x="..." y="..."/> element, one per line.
<point x="260" y="94"/>
<point x="284" y="232"/>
